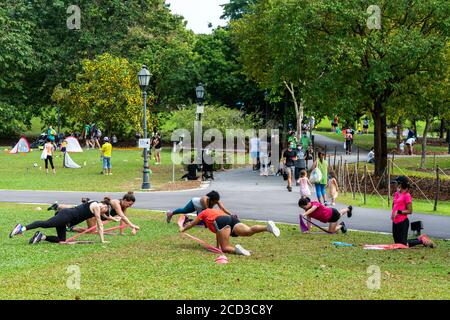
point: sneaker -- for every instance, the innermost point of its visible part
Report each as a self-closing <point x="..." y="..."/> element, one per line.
<point x="53" y="206"/>
<point x="325" y="204"/>
<point x="84" y="200"/>
<point x="344" y="227"/>
<point x="36" y="238"/>
<point x="169" y="215"/>
<point x="241" y="251"/>
<point x="272" y="228"/>
<point x="289" y="189"/>
<point x="17" y="230"/>
<point x="349" y="213"/>
<point x="427" y="241"/>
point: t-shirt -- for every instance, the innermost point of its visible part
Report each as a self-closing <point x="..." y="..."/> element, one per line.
<point x="49" y="147"/>
<point x="410" y="141"/>
<point x="107" y="149"/>
<point x="290" y="155"/>
<point x="197" y="204"/>
<point x="400" y="202"/>
<point x="323" y="167"/>
<point x="349" y="134"/>
<point x="305" y="140"/>
<point x="322" y="213"/>
<point x="209" y="216"/>
<point x="254" y="143"/>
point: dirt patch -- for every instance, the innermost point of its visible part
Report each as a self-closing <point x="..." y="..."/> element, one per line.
<point x="179" y="185"/>
<point x="426" y="185"/>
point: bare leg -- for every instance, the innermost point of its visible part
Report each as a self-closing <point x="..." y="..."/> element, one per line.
<point x="344" y="211"/>
<point x="223" y="238"/>
<point x="243" y="230"/>
<point x="334" y="227"/>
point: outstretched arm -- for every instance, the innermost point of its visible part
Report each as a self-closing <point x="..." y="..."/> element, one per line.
<point x="190" y="225"/>
<point x="96" y="210"/>
<point x="221" y="207"/>
<point x="309" y="211"/>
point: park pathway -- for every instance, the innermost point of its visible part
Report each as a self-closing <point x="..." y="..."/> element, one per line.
<point x="245" y="193"/>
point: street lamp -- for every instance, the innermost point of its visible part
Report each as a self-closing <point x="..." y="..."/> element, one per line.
<point x="144" y="79"/>
<point x="200" y="93"/>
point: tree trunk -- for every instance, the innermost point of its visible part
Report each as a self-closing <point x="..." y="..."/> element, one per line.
<point x="298" y="108"/>
<point x="442" y="129"/>
<point x="399" y="134"/>
<point x="380" y="139"/>
<point x="414" y="126"/>
<point x="424" y="142"/>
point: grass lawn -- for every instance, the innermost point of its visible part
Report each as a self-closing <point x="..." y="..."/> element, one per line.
<point x="365" y="141"/>
<point x="18" y="173"/>
<point x="158" y="263"/>
<point x="374" y="201"/>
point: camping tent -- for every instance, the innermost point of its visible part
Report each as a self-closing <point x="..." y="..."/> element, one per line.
<point x="69" y="163"/>
<point x="22" y="146"/>
<point x="73" y="145"/>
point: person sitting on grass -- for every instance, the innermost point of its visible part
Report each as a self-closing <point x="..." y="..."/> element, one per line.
<point x="70" y="216"/>
<point x="324" y="214"/>
<point x="198" y="204"/>
<point x="401" y="208"/>
<point x="118" y="208"/>
<point x="225" y="226"/>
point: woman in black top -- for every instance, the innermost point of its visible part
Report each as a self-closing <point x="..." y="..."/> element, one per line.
<point x="64" y="217"/>
<point x="157" y="144"/>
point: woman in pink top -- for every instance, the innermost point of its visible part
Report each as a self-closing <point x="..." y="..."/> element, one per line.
<point x="401" y="207"/>
<point x="324" y="214"/>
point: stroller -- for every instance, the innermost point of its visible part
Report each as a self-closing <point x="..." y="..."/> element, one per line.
<point x="40" y="141"/>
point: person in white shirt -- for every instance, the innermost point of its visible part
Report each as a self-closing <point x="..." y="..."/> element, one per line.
<point x="371" y="156"/>
<point x="254" y="151"/>
<point x="264" y="157"/>
<point x="409" y="144"/>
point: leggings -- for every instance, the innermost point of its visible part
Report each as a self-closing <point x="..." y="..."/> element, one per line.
<point x="400" y="233"/>
<point x="49" y="158"/>
<point x="59" y="221"/>
<point x="188" y="208"/>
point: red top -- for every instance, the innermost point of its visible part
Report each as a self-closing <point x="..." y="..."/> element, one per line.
<point x="209" y="216"/>
<point x="322" y="213"/>
<point x="401" y="200"/>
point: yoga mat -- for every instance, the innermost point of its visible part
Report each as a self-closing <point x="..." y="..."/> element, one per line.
<point x="385" y="246"/>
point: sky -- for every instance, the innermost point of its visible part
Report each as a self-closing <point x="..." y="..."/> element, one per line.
<point x="199" y="12"/>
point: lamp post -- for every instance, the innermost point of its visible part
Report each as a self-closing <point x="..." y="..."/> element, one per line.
<point x="200" y="93"/>
<point x="144" y="79"/>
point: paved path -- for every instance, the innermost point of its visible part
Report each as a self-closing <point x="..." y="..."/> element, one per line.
<point x="245" y="193"/>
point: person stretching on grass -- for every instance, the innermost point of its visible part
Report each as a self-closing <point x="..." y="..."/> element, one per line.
<point x="225" y="226"/>
<point x="118" y="208"/>
<point x="71" y="216"/>
<point x="198" y="204"/>
<point x="401" y="208"/>
<point x="324" y="214"/>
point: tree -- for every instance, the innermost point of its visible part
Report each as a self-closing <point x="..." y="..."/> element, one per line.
<point x="107" y="93"/>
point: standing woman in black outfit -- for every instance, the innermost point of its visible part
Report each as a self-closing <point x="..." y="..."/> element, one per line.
<point x="64" y="217"/>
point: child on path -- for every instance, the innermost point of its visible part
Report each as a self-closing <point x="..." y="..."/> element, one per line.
<point x="333" y="187"/>
<point x="305" y="184"/>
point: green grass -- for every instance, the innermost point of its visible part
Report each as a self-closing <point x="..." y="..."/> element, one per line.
<point x="374" y="201"/>
<point x="158" y="263"/>
<point x="18" y="173"/>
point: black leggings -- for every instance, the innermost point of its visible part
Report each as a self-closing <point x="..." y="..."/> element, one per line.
<point x="400" y="233"/>
<point x="49" y="159"/>
<point x="59" y="221"/>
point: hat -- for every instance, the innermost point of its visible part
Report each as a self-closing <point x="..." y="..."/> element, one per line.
<point x="105" y="139"/>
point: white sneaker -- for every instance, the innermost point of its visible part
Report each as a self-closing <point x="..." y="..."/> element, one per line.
<point x="242" y="251"/>
<point x="271" y="227"/>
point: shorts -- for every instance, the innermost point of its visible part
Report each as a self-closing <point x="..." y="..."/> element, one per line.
<point x="63" y="149"/>
<point x="222" y="222"/>
<point x="290" y="169"/>
<point x="106" y="162"/>
<point x="335" y="216"/>
<point x="365" y="127"/>
<point x="254" y="154"/>
<point x="320" y="190"/>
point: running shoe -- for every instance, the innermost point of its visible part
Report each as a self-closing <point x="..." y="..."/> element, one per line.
<point x="272" y="228"/>
<point x="325" y="204"/>
<point x="349" y="213"/>
<point x="241" y="251"/>
<point x="169" y="215"/>
<point x="427" y="241"/>
<point x="84" y="200"/>
<point x="17" y="230"/>
<point x="36" y="238"/>
<point x="344" y="227"/>
<point x="53" y="206"/>
<point x="289" y="189"/>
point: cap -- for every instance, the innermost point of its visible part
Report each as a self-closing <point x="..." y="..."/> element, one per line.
<point x="105" y="139"/>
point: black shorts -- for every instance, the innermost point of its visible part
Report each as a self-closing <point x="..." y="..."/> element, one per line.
<point x="224" y="221"/>
<point x="335" y="216"/>
<point x="365" y="127"/>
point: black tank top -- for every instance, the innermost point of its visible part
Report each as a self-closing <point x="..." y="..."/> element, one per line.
<point x="79" y="213"/>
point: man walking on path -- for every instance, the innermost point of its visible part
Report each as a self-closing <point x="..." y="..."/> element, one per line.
<point x="290" y="156"/>
<point x="106" y="155"/>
